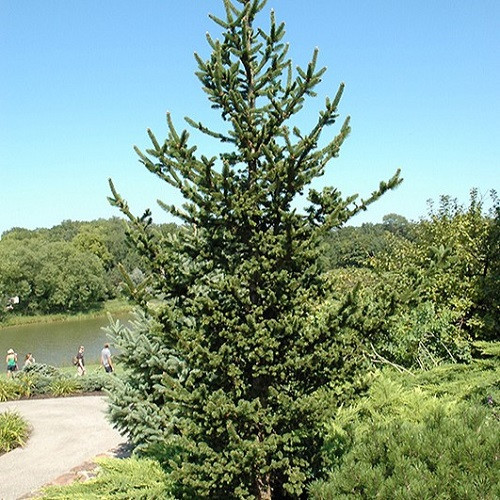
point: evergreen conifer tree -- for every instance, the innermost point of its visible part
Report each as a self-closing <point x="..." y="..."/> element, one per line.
<point x="230" y="364"/>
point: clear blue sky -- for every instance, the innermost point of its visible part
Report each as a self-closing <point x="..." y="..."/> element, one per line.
<point x="82" y="80"/>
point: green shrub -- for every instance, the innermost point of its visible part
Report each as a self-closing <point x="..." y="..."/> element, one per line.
<point x="41" y="379"/>
<point x="63" y="386"/>
<point x="474" y="383"/>
<point x="96" y="382"/>
<point x="13" y="431"/>
<point x="41" y="369"/>
<point x="443" y="456"/>
<point x="24" y="385"/>
<point x="422" y="337"/>
<point x="42" y="385"/>
<point x="36" y="379"/>
<point x="487" y="349"/>
<point x="27" y="384"/>
<point x="127" y="479"/>
<point x="9" y="389"/>
<point x="431" y="435"/>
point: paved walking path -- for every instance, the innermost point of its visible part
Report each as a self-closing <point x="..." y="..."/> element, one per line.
<point x="66" y="433"/>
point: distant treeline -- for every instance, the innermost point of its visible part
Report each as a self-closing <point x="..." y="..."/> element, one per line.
<point x="440" y="276"/>
<point x="437" y="280"/>
<point x="69" y="268"/>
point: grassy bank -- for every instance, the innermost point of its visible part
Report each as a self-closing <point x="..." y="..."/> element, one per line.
<point x="114" y="306"/>
<point x="70" y="371"/>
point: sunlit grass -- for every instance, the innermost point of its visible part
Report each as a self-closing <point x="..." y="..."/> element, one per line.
<point x="91" y="369"/>
<point x="114" y="306"/>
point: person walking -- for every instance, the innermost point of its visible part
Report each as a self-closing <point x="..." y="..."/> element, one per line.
<point x="106" y="359"/>
<point x="11" y="360"/>
<point x="80" y="362"/>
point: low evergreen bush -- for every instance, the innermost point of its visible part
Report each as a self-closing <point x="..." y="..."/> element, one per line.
<point x="126" y="479"/>
<point x="42" y="385"/>
<point x="442" y="456"/>
<point x="431" y="435"/>
<point x="96" y="382"/>
<point x="474" y="383"/>
<point x="41" y="369"/>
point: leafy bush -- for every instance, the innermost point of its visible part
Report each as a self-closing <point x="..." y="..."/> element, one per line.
<point x="452" y="261"/>
<point x="13" y="431"/>
<point x="27" y="384"/>
<point x="127" y="479"/>
<point x="422" y="337"/>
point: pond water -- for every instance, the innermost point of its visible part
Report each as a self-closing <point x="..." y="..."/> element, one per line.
<point x="56" y="343"/>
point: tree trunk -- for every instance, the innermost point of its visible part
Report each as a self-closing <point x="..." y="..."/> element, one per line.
<point x="264" y="487"/>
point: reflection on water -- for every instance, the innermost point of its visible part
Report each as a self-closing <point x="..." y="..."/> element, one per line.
<point x="56" y="343"/>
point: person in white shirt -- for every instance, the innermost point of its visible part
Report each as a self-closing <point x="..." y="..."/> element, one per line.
<point x="106" y="359"/>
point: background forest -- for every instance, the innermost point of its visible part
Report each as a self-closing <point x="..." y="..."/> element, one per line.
<point x="72" y="267"/>
<point x="436" y="281"/>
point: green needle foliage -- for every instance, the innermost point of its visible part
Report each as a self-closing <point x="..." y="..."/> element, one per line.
<point x="229" y="366"/>
<point x="433" y="435"/>
<point x="126" y="479"/>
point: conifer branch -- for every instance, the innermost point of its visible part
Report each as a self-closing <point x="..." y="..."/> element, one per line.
<point x="392" y="183"/>
<point x="378" y="358"/>
<point x="205" y="130"/>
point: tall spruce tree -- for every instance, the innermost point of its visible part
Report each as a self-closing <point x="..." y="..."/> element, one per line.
<point x="229" y="366"/>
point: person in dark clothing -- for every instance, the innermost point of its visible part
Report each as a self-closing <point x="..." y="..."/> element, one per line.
<point x="80" y="362"/>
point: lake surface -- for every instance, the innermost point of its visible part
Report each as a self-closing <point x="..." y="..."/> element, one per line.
<point x="57" y="343"/>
